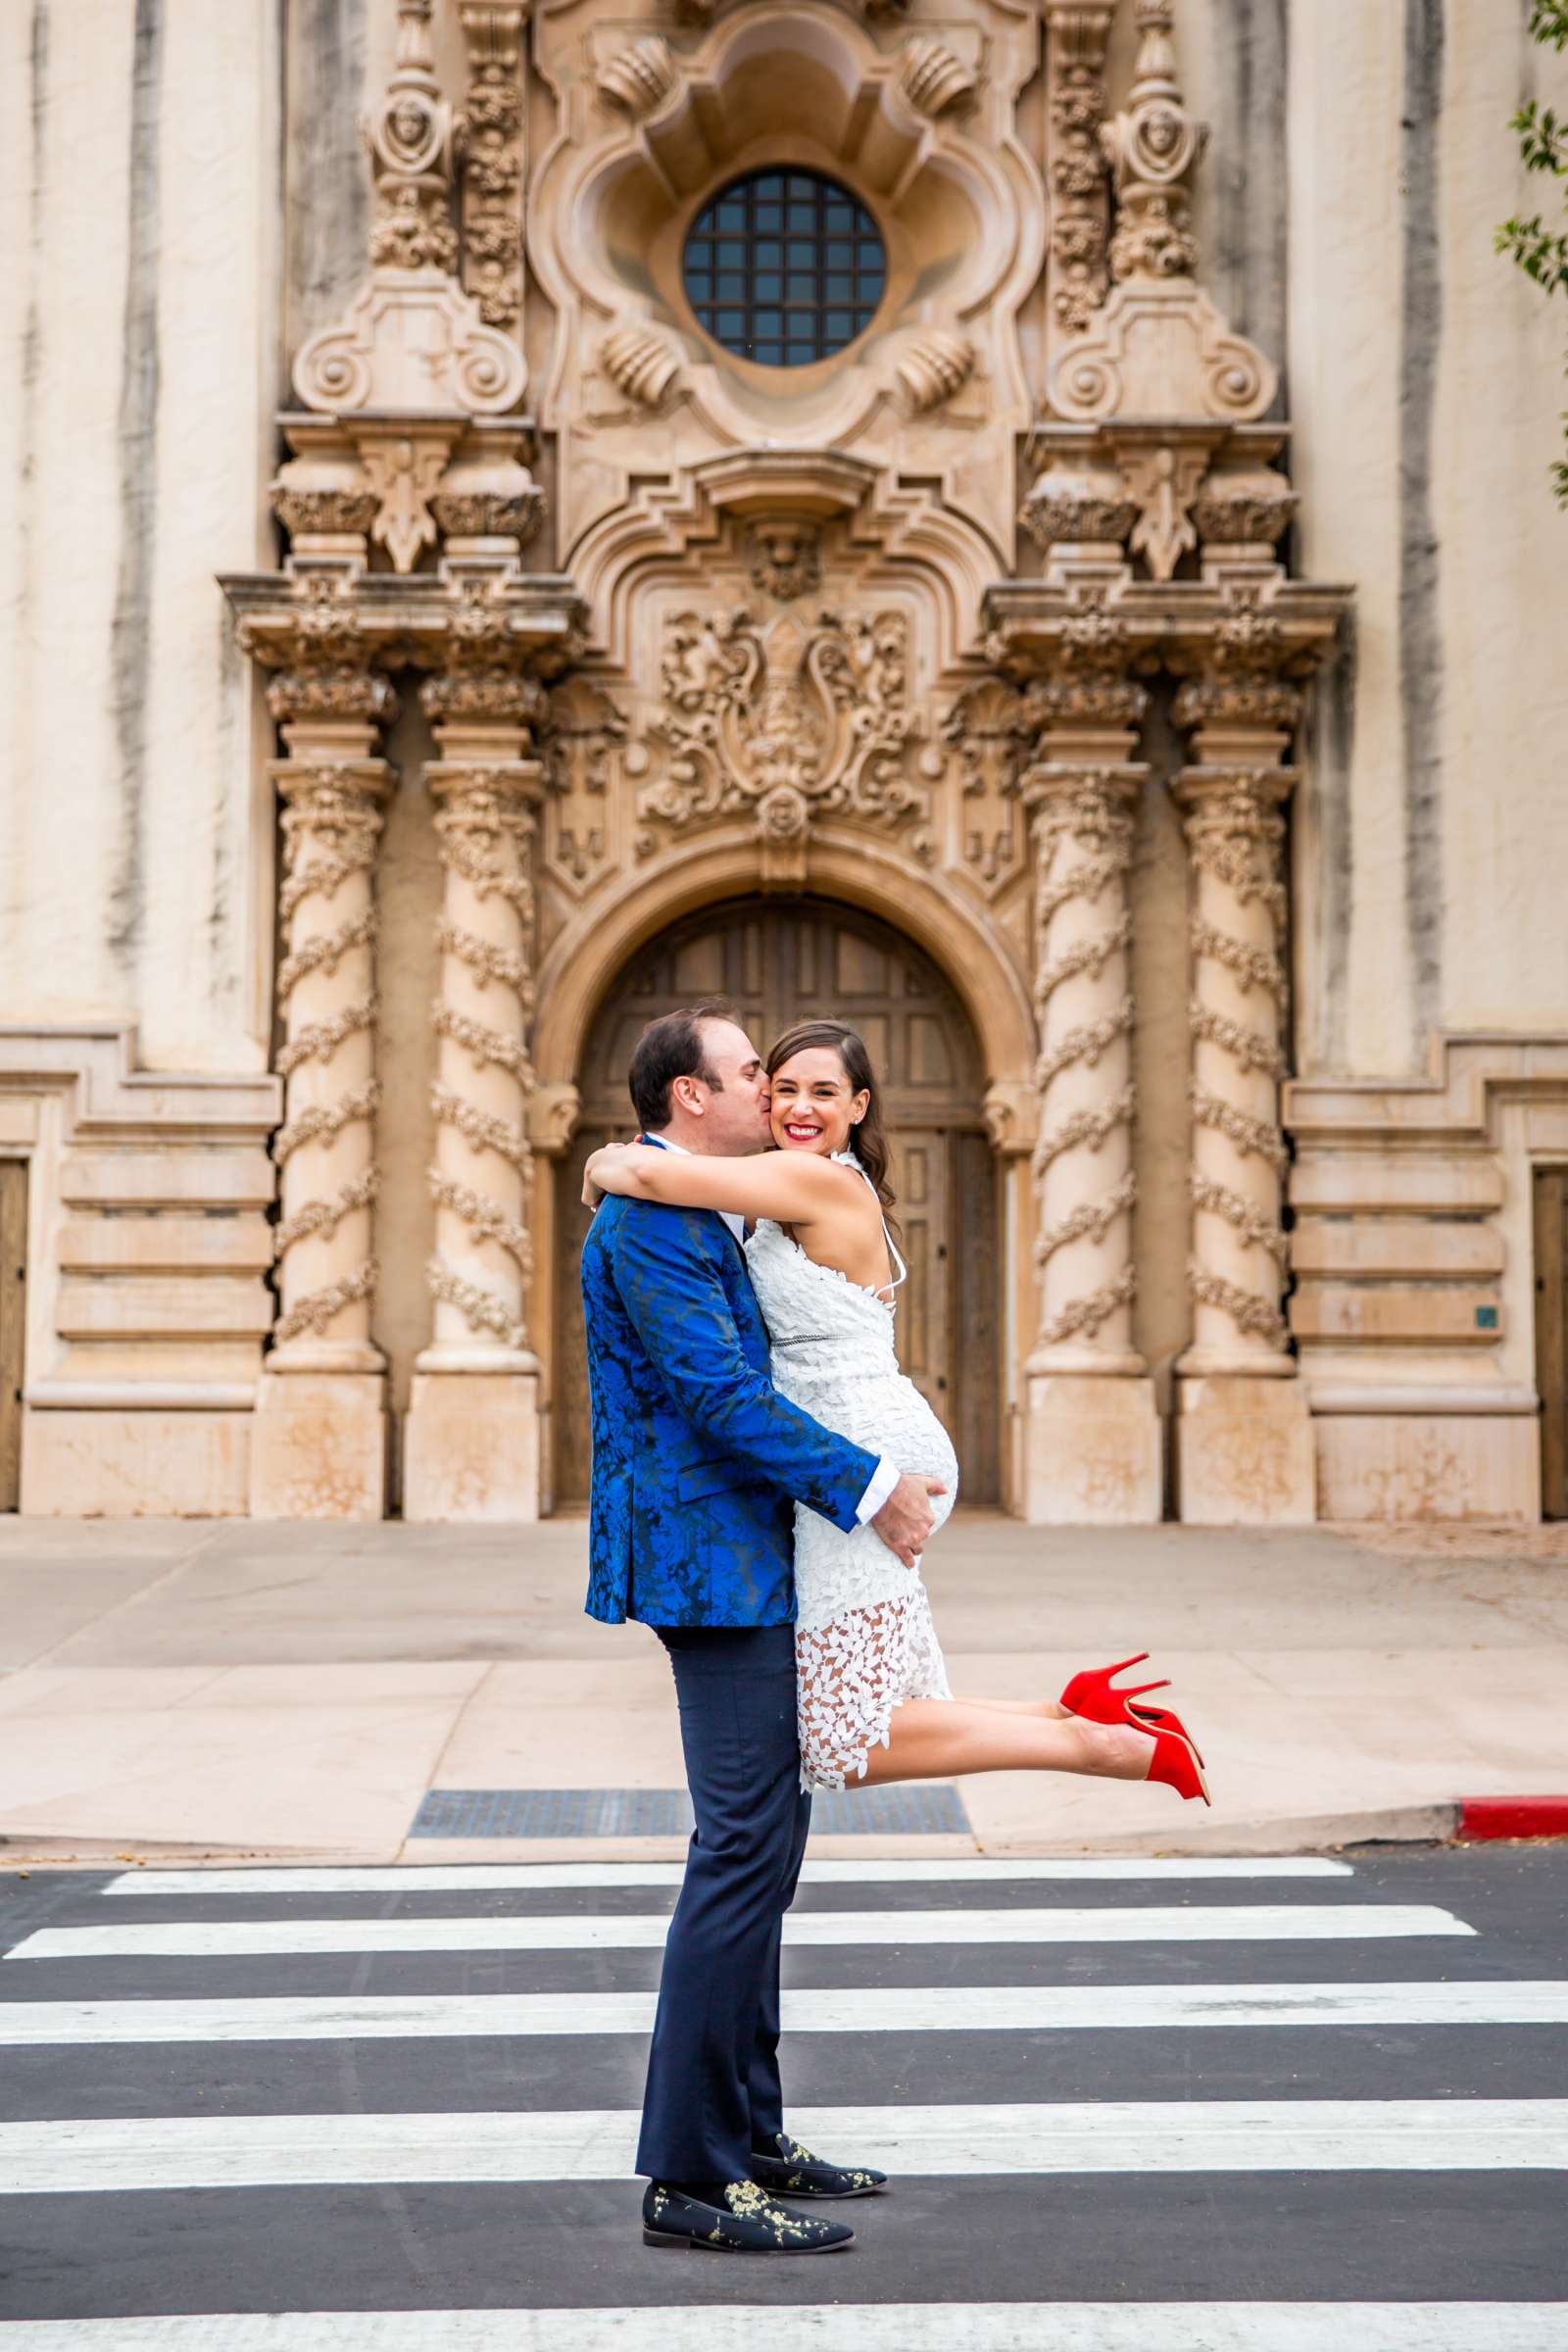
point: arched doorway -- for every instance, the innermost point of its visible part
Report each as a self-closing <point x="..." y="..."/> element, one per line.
<point x="781" y="959"/>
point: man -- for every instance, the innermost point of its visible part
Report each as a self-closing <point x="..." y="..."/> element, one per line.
<point x="697" y="1466"/>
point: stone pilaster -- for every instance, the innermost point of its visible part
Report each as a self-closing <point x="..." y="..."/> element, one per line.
<point x="320" y="1449"/>
<point x="492" y="159"/>
<point x="1077" y="33"/>
<point x="472" y="1446"/>
<point x="1243" y="1441"/>
<point x="1091" y="1448"/>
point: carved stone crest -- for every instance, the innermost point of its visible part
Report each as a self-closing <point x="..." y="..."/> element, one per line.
<point x="578" y="743"/>
<point x="784" y="719"/>
<point x="990" y="727"/>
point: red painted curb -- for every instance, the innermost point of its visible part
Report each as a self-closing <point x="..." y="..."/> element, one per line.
<point x="1483" y="1817"/>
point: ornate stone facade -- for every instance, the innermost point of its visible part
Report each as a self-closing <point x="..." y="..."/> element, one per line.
<point x="1002" y="629"/>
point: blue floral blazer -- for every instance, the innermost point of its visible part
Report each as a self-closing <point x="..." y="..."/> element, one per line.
<point x="696" y="1459"/>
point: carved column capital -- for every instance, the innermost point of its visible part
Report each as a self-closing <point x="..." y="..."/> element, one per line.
<point x="1244" y="663"/>
<point x="1094" y="800"/>
<point x="488" y="669"/>
<point x="310" y="634"/>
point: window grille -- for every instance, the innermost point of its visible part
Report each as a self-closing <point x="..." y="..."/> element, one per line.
<point x="784" y="268"/>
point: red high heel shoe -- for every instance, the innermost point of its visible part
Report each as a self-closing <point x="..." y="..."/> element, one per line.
<point x="1090" y="1694"/>
<point x="1165" y="1718"/>
<point x="1176" y="1764"/>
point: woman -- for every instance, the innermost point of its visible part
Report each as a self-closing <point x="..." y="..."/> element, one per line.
<point x="873" y="1696"/>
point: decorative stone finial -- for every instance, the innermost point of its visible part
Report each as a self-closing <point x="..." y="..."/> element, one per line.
<point x="1153" y="148"/>
<point x="1158" y="348"/>
<point x="411" y="343"/>
<point x="410" y="144"/>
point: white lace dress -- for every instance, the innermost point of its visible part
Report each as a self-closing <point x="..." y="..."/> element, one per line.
<point x="864" y="1639"/>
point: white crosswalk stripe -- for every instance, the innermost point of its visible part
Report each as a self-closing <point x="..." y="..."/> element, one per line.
<point x="846" y="2009"/>
<point x="1221" y="2135"/>
<point x="159" y="2134"/>
<point x="523" y="1878"/>
<point x="843" y="2328"/>
<point x="1247" y="1923"/>
<point x="856" y="2327"/>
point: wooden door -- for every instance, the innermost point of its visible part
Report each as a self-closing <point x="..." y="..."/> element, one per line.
<point x="1551" y="1337"/>
<point x="784" y="961"/>
<point x="12" y="1319"/>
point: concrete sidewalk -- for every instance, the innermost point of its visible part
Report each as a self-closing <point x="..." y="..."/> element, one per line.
<point x="238" y="1690"/>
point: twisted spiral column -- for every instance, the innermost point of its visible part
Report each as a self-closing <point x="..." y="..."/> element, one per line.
<point x="1235" y="833"/>
<point x="1082" y="820"/>
<point x="325" y="1148"/>
<point x="481" y="1178"/>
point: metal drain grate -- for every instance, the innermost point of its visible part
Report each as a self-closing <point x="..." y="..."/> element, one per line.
<point x="928" y="1810"/>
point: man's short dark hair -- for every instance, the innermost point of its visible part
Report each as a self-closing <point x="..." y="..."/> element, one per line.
<point x="669" y="1049"/>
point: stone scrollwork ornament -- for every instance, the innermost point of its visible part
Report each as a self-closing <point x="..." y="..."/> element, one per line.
<point x="932" y="79"/>
<point x="640" y="363"/>
<point x="640" y="78"/>
<point x="820" y="712"/>
<point x="933" y="367"/>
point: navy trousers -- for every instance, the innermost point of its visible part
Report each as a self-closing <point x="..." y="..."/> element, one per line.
<point x="713" y="2092"/>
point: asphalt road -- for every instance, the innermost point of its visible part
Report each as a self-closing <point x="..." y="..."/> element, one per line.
<point x="1206" y="2112"/>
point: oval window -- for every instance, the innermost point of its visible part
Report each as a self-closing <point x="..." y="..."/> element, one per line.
<point x="784" y="268"/>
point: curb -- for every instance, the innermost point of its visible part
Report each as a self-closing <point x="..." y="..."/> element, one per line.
<point x="1482" y="1817"/>
<point x="1465" y="1821"/>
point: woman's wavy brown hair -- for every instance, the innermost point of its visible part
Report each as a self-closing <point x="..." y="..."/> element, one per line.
<point x="868" y="1140"/>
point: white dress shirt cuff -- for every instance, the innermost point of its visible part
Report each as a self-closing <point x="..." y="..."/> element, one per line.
<point x="884" y="1479"/>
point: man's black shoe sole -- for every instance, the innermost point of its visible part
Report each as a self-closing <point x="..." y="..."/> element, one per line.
<point x="825" y="2196"/>
<point x="710" y="2245"/>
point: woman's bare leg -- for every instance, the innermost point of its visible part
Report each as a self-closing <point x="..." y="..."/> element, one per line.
<point x="1048" y="1710"/>
<point x="937" y="1739"/>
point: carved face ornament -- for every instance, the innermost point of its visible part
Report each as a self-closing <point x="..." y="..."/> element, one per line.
<point x="408" y="129"/>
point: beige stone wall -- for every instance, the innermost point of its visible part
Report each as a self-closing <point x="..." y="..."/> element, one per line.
<point x="140" y="320"/>
<point x="1425" y="378"/>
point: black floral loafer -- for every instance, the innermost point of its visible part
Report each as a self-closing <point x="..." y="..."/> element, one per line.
<point x="796" y="2173"/>
<point x="746" y="2223"/>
